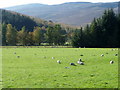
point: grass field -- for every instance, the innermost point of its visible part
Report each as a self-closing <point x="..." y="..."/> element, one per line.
<point x="35" y="68"/>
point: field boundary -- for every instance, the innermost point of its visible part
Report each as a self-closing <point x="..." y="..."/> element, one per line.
<point x="36" y="46"/>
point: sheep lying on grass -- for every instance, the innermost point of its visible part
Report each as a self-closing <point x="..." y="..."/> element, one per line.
<point x="102" y="55"/>
<point x="53" y="58"/>
<point x="80" y="62"/>
<point x="111" y="62"/>
<point x="58" y="61"/>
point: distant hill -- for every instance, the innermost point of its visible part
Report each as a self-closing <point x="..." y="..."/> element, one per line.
<point x="19" y="20"/>
<point x="73" y="13"/>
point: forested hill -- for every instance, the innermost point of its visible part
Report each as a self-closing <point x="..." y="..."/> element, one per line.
<point x="73" y="13"/>
<point x="19" y="20"/>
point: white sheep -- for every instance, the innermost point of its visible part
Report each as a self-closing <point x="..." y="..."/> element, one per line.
<point x="111" y="62"/>
<point x="80" y="62"/>
<point x="53" y="58"/>
<point x="58" y="61"/>
<point x="102" y="55"/>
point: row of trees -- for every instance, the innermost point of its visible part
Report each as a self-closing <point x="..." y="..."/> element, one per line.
<point x="102" y="32"/>
<point x="54" y="35"/>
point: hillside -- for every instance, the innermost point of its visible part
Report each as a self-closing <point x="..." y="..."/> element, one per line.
<point x="73" y="13"/>
<point x="19" y="20"/>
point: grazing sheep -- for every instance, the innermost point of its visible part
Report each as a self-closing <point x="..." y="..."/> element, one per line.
<point x="72" y="64"/>
<point x="53" y="58"/>
<point x="111" y="62"/>
<point x="102" y="55"/>
<point x="58" y="61"/>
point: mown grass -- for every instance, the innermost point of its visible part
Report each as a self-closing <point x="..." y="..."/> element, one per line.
<point x="36" y="69"/>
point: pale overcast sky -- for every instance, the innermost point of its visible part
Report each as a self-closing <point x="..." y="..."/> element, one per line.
<point x="9" y="3"/>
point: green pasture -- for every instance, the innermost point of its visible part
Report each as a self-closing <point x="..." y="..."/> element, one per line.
<point x="35" y="68"/>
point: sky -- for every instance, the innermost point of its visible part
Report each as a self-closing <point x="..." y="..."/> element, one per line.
<point x="9" y="3"/>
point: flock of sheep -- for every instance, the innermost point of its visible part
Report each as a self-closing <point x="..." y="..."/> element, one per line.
<point x="80" y="62"/>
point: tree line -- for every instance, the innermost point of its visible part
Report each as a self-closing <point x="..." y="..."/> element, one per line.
<point x="53" y="35"/>
<point x="102" y="32"/>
